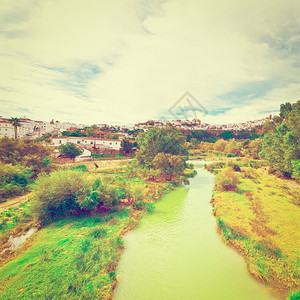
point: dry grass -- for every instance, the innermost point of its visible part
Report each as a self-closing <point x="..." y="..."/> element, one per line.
<point x="261" y="221"/>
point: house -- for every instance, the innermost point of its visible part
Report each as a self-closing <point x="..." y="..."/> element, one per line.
<point x="89" y="142"/>
<point x="6" y="128"/>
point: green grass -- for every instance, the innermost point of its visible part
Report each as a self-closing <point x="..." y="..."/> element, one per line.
<point x="12" y="217"/>
<point x="74" y="258"/>
<point x="261" y="221"/>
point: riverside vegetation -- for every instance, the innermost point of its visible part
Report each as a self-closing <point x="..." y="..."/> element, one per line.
<point x="83" y="215"/>
<point x="258" y="215"/>
<point x="257" y="212"/>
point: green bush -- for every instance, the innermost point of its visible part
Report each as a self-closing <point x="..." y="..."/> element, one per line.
<point x="296" y="170"/>
<point x="226" y="180"/>
<point x="79" y="168"/>
<point x="295" y="295"/>
<point x="136" y="193"/>
<point x="139" y="205"/>
<point x="13" y="180"/>
<point x="59" y="194"/>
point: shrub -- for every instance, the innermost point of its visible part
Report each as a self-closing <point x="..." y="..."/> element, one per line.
<point x="13" y="180"/>
<point x="79" y="168"/>
<point x="250" y="173"/>
<point x="149" y="207"/>
<point x="234" y="165"/>
<point x="139" y="205"/>
<point x="59" y="194"/>
<point x="136" y="193"/>
<point x="226" y="180"/>
<point x="296" y="171"/>
<point x="295" y="295"/>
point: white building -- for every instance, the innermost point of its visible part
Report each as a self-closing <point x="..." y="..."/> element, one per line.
<point x="88" y="141"/>
<point x="85" y="155"/>
<point x="6" y="129"/>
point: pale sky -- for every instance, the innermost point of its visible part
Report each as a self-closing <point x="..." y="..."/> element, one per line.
<point x="126" y="61"/>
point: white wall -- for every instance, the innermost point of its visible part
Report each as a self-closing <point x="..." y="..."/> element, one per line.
<point x="112" y="144"/>
<point x="6" y="129"/>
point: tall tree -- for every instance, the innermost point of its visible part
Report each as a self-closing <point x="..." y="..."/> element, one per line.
<point x="166" y="140"/>
<point x="281" y="144"/>
<point x="126" y="146"/>
<point x="168" y="165"/>
<point x="16" y="123"/>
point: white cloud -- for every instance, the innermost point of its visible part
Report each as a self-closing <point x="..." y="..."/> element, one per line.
<point x="148" y="53"/>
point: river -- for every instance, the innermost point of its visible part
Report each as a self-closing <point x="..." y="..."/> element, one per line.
<point x="175" y="252"/>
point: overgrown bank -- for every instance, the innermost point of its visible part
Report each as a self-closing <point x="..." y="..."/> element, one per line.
<point x="258" y="215"/>
<point x="76" y="254"/>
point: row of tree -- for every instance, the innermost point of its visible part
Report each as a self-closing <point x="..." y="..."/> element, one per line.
<point x="210" y="137"/>
<point x="281" y="141"/>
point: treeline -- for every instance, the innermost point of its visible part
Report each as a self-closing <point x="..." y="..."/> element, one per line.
<point x="21" y="160"/>
<point x="105" y="132"/>
<point x="230" y="147"/>
<point x="281" y="141"/>
<point x="207" y="136"/>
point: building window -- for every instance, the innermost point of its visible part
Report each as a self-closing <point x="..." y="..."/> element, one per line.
<point x="59" y="141"/>
<point x="91" y="143"/>
<point x="78" y="142"/>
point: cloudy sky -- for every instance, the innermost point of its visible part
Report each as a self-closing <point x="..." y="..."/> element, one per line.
<point x="126" y="61"/>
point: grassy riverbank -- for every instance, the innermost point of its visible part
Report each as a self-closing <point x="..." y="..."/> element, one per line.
<point x="75" y="257"/>
<point x="260" y="220"/>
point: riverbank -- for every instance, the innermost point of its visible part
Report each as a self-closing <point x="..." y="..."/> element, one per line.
<point x="260" y="220"/>
<point x="175" y="252"/>
<point x="75" y="257"/>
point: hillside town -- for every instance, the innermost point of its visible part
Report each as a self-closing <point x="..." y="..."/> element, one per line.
<point x="34" y="129"/>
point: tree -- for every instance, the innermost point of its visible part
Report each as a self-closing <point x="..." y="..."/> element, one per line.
<point x="255" y="147"/>
<point x="281" y="144"/>
<point x="227" y="135"/>
<point x="233" y="147"/>
<point x="25" y="152"/>
<point x="70" y="150"/>
<point x="16" y="123"/>
<point x="167" y="140"/>
<point x="285" y="109"/>
<point x="168" y="165"/>
<point x="90" y="131"/>
<point x="126" y="146"/>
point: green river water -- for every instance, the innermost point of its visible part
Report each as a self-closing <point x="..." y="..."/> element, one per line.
<point x="175" y="253"/>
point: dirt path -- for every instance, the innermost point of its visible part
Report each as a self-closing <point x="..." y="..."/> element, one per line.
<point x="14" y="201"/>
